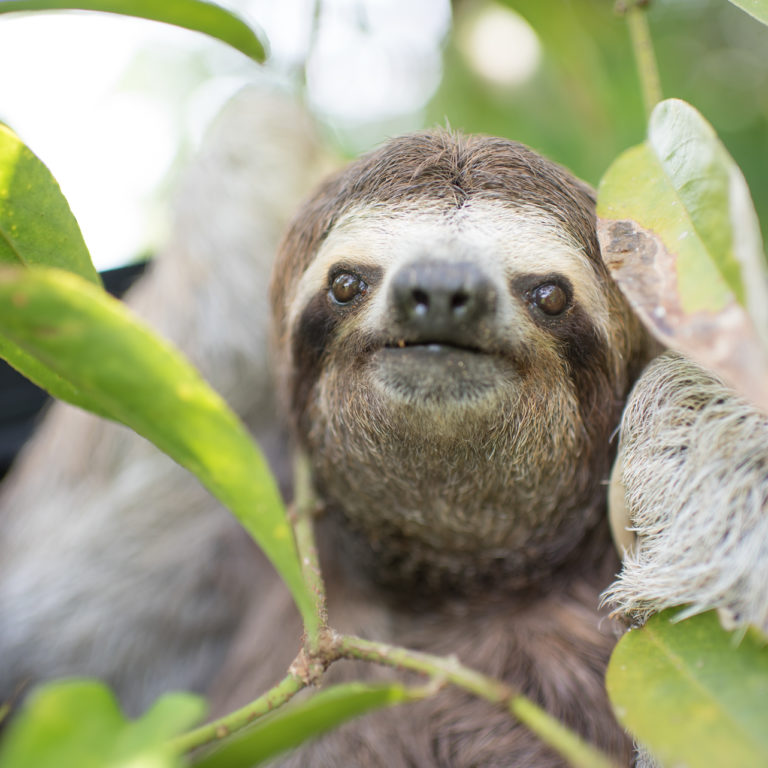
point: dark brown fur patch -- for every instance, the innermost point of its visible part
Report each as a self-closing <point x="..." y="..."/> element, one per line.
<point x="313" y="332"/>
<point x="309" y="341"/>
<point x="585" y="351"/>
<point x="552" y="646"/>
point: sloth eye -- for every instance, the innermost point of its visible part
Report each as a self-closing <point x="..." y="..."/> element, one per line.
<point x="346" y="287"/>
<point x="550" y="298"/>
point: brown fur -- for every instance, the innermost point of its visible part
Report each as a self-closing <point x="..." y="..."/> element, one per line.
<point x="479" y="528"/>
<point x="550" y="642"/>
<point x="367" y="452"/>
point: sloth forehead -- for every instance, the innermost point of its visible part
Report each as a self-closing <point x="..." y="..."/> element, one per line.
<point x="506" y="240"/>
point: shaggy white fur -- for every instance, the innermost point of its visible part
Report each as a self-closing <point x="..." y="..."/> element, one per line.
<point x="695" y="475"/>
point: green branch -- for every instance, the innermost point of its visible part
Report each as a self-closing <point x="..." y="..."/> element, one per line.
<point x="304" y="507"/>
<point x="448" y="669"/>
<point x="234" y="721"/>
<point x="323" y="646"/>
<point x="642" y="46"/>
<point x="553" y="733"/>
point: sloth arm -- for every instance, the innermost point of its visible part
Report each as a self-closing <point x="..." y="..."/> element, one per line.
<point x="694" y="469"/>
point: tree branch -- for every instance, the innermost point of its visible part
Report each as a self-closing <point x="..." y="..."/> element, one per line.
<point x="448" y="668"/>
<point x="642" y="46"/>
<point x="234" y="721"/>
<point x="304" y="507"/>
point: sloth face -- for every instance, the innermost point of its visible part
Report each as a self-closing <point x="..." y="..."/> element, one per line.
<point x="443" y="307"/>
<point x="455" y="364"/>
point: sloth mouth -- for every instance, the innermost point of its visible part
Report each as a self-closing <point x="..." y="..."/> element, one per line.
<point x="434" y="347"/>
<point x="438" y="372"/>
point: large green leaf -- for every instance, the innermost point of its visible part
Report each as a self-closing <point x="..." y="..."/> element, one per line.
<point x="36" y="223"/>
<point x="683" y="186"/>
<point x="197" y="15"/>
<point x="87" y="348"/>
<point x="78" y="724"/>
<point x="295" y="723"/>
<point x="695" y="694"/>
<point x="679" y="233"/>
<point x="756" y="8"/>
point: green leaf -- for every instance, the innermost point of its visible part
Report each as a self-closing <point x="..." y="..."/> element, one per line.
<point x="78" y="724"/>
<point x="90" y="350"/>
<point x="694" y="693"/>
<point x="197" y="15"/>
<point x="680" y="236"/>
<point x="297" y="722"/>
<point x="683" y="186"/>
<point x="756" y="8"/>
<point x="36" y="223"/>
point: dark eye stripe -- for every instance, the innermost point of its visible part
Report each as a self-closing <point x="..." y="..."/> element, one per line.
<point x="315" y="327"/>
<point x="309" y="339"/>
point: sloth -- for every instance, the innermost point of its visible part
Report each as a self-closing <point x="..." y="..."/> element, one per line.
<point x="457" y="358"/>
<point x="453" y="360"/>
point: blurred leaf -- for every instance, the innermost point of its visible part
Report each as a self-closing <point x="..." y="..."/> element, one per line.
<point x="295" y="723"/>
<point x="36" y="223"/>
<point x="197" y="15"/>
<point x="45" y="377"/>
<point x="692" y="693"/>
<point x="756" y="8"/>
<point x="91" y="351"/>
<point x="680" y="235"/>
<point x="581" y="105"/>
<point x="78" y="724"/>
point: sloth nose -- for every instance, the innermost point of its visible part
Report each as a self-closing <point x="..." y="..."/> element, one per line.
<point x="437" y="301"/>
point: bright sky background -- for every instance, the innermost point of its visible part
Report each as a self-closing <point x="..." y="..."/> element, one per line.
<point x="112" y="104"/>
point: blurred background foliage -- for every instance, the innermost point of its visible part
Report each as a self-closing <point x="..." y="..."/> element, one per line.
<point x="581" y="105"/>
<point x="128" y="100"/>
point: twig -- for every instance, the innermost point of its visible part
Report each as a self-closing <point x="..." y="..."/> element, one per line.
<point x="234" y="721"/>
<point x="314" y="34"/>
<point x="554" y="734"/>
<point x="323" y="646"/>
<point x="301" y="518"/>
<point x="570" y="746"/>
<point x="645" y="58"/>
<point x="446" y="667"/>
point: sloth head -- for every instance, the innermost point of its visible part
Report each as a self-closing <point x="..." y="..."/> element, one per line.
<point x="454" y="358"/>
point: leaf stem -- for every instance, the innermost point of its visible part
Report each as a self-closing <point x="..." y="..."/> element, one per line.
<point x="553" y="733"/>
<point x="448" y="668"/>
<point x="234" y="721"/>
<point x="304" y="506"/>
<point x="645" y="58"/>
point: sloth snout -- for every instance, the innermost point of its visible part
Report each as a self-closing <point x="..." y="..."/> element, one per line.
<point x="439" y="302"/>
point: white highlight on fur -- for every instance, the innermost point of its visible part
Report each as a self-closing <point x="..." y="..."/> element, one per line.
<point x="696" y="479"/>
<point x="504" y="239"/>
